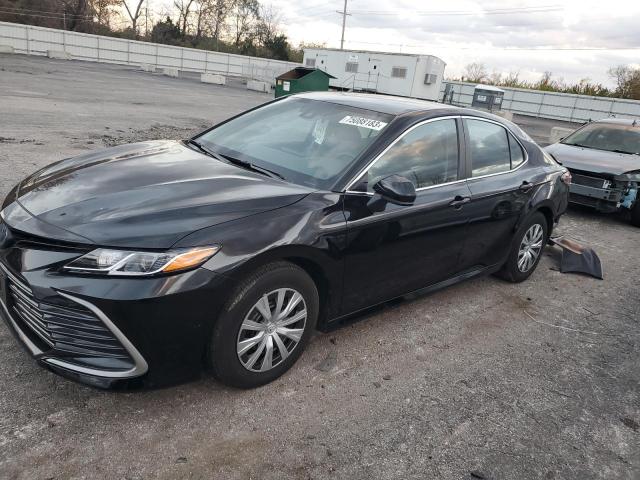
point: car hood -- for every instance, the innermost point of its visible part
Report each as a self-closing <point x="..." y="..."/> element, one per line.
<point x="143" y="195"/>
<point x="591" y="160"/>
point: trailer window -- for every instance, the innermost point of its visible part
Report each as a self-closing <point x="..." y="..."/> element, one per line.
<point x="351" y="67"/>
<point x="399" y="72"/>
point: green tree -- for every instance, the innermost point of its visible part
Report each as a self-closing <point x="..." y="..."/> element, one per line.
<point x="166" y="32"/>
<point x="278" y="47"/>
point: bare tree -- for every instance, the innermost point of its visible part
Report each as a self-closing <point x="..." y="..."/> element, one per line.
<point x="512" y="80"/>
<point x="221" y="11"/>
<point x="627" y="81"/>
<point x="104" y="10"/>
<point x="134" y="15"/>
<point x="269" y="24"/>
<point x="76" y="12"/>
<point x="184" y="10"/>
<point x="202" y="13"/>
<point x="495" y="78"/>
<point x="475" y="72"/>
<point x="245" y="13"/>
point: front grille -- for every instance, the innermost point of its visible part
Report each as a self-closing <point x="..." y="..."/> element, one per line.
<point x="595" y="182"/>
<point x="76" y="331"/>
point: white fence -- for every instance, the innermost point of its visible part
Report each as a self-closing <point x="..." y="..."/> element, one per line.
<point x="82" y="46"/>
<point x="558" y="106"/>
<point x="38" y="41"/>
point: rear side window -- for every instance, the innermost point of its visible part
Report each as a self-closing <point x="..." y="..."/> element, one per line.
<point x="492" y="148"/>
<point x="517" y="155"/>
<point x="488" y="147"/>
<point x="426" y="155"/>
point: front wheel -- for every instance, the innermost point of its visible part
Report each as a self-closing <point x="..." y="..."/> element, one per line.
<point x="264" y="327"/>
<point x="529" y="241"/>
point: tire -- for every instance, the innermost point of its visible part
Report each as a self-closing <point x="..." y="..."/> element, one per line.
<point x="511" y="270"/>
<point x="242" y="320"/>
<point x="635" y="214"/>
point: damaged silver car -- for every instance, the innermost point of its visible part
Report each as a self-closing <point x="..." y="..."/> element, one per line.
<point x="604" y="160"/>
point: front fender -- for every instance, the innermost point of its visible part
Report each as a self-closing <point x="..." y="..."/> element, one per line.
<point x="311" y="232"/>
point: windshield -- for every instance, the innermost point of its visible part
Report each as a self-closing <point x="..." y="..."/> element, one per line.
<point x="308" y="142"/>
<point x="607" y="136"/>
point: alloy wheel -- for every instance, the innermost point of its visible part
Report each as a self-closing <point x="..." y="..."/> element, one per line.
<point x="271" y="330"/>
<point x="530" y="247"/>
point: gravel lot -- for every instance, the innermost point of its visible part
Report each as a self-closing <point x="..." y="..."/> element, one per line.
<point x="483" y="380"/>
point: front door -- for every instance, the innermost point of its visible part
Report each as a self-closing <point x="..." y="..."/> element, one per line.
<point x="394" y="249"/>
<point x="374" y="74"/>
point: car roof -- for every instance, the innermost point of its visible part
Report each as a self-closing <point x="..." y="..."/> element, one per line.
<point x="398" y="106"/>
<point x="388" y="104"/>
<point x="619" y="121"/>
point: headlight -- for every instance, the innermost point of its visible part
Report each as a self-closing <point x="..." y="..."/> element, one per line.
<point x="128" y="263"/>
<point x="629" y="176"/>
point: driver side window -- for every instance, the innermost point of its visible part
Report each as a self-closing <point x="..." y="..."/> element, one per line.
<point x="427" y="155"/>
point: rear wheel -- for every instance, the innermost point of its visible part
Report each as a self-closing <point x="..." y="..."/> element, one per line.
<point x="264" y="327"/>
<point x="529" y="241"/>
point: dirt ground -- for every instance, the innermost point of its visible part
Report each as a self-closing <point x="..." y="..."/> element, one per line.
<point x="486" y="379"/>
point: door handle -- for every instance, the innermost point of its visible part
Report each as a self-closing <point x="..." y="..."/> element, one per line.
<point x="459" y="201"/>
<point x="526" y="186"/>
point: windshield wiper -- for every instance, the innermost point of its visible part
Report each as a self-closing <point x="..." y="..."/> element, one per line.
<point x="615" y="150"/>
<point x="206" y="150"/>
<point x="251" y="166"/>
<point x="235" y="161"/>
<point x="583" y="146"/>
<point x="623" y="151"/>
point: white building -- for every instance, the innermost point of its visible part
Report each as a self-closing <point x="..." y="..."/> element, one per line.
<point x="403" y="74"/>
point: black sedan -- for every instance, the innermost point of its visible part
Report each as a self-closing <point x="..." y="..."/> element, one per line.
<point x="604" y="160"/>
<point x="143" y="263"/>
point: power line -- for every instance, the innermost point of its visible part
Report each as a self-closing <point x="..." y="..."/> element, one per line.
<point x="516" y="49"/>
<point x="34" y="15"/>
<point x="499" y="11"/>
<point x="19" y="10"/>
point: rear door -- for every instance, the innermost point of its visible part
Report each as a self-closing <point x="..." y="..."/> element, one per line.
<point x="394" y="249"/>
<point x="500" y="185"/>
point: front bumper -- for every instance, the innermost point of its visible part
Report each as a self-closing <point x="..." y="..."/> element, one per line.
<point x="104" y="331"/>
<point x="600" y="193"/>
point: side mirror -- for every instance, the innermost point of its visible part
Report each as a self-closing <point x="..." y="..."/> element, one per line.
<point x="396" y="189"/>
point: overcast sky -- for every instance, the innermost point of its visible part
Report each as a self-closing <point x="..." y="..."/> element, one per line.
<point x="505" y="35"/>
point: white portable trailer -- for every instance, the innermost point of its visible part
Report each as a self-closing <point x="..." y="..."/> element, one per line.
<point x="407" y="75"/>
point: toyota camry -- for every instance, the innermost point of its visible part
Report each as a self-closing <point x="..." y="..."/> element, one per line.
<point x="146" y="263"/>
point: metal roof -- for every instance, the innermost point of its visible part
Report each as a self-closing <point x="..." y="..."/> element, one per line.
<point x="490" y="88"/>
<point x="375" y="52"/>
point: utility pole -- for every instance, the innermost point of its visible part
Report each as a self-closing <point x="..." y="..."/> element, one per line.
<point x="344" y="22"/>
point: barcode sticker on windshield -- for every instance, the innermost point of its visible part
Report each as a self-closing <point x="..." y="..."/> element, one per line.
<point x="363" y="122"/>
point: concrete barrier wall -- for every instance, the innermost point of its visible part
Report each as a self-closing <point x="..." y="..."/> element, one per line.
<point x="31" y="40"/>
<point x="557" y="106"/>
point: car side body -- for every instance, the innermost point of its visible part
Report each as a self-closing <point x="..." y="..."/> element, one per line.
<point x="359" y="247"/>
